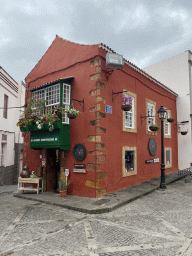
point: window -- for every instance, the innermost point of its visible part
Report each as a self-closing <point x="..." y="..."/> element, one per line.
<point x="37" y="96"/>
<point x="150" y="113"/>
<point x="167" y="125"/>
<point x="3" y="146"/>
<point x="5" y="106"/>
<point x="66" y="101"/>
<point x="168" y="157"/>
<point x="51" y="95"/>
<point x="129" y="117"/>
<point x="129" y="161"/>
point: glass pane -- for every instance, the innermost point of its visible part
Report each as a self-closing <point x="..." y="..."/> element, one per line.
<point x="168" y="157"/>
<point x="129" y="160"/>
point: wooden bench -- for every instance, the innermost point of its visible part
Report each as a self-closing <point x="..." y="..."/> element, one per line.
<point x="30" y="182"/>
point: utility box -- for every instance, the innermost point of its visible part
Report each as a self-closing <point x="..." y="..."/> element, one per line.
<point x="114" y="60"/>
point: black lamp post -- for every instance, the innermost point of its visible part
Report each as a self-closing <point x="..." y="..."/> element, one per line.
<point x="162" y="114"/>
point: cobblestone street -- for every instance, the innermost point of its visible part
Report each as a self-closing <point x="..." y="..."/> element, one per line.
<point x="156" y="224"/>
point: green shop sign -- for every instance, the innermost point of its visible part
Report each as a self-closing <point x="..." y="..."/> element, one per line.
<point x="58" y="138"/>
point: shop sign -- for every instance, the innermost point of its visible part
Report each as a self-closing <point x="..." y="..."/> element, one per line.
<point x="79" y="165"/>
<point x="108" y="109"/>
<point x="43" y="162"/>
<point x="150" y="161"/>
<point x="44" y="140"/>
<point x="79" y="170"/>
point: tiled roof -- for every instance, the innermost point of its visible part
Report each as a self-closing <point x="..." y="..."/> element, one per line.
<point x="55" y="81"/>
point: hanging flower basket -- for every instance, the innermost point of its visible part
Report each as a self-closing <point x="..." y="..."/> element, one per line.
<point x="184" y="132"/>
<point x="72" y="113"/>
<point x="126" y="107"/>
<point x="71" y="116"/>
<point x="154" y="128"/>
<point x="171" y="119"/>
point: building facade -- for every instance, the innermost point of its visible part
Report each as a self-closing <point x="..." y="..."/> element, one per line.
<point x="105" y="149"/>
<point x="175" y="73"/>
<point x="12" y="95"/>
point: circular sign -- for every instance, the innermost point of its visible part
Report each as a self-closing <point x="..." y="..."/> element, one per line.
<point x="79" y="152"/>
<point x="152" y="146"/>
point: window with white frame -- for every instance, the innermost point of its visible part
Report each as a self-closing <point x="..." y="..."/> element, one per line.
<point x="129" y="116"/>
<point x="66" y="101"/>
<point x="37" y="96"/>
<point x="168" y="157"/>
<point x="150" y="114"/>
<point x="52" y="96"/>
<point x="167" y="124"/>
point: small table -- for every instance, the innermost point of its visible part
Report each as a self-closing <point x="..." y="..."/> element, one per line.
<point x="31" y="181"/>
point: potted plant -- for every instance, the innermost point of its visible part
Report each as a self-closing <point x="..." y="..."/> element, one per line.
<point x="184" y="132"/>
<point x="63" y="186"/>
<point x="49" y="118"/>
<point x="127" y="102"/>
<point x="72" y="112"/>
<point x="154" y="127"/>
<point x="170" y="119"/>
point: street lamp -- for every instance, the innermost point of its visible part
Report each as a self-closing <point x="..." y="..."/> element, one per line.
<point x="162" y="114"/>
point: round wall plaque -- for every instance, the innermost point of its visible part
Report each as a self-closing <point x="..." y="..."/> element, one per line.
<point x="79" y="152"/>
<point x="152" y="146"/>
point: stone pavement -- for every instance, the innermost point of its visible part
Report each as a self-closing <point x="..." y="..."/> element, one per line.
<point x="158" y="224"/>
<point x="104" y="204"/>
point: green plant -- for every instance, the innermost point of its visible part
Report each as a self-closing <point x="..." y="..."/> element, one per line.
<point x="51" y="116"/>
<point x="72" y="111"/>
<point x="170" y="119"/>
<point x="156" y="126"/>
<point x="62" y="184"/>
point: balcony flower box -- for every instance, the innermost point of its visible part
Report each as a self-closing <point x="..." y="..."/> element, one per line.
<point x="33" y="127"/>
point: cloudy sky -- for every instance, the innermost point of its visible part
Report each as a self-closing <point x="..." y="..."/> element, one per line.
<point x="145" y="31"/>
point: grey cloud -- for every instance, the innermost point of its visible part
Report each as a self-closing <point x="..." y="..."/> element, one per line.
<point x="139" y="34"/>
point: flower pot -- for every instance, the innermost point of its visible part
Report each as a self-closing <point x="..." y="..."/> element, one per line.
<point x="170" y="120"/>
<point x="126" y="107"/>
<point x="63" y="193"/>
<point x="153" y="128"/>
<point x="184" y="133"/>
<point x="71" y="116"/>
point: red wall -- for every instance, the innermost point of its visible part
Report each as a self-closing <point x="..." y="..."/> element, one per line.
<point x="114" y="138"/>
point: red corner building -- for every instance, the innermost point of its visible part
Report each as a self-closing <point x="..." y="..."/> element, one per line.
<point x="105" y="148"/>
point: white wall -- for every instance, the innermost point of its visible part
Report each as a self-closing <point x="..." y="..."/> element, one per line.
<point x="174" y="73"/>
<point x="7" y="125"/>
<point x="20" y="102"/>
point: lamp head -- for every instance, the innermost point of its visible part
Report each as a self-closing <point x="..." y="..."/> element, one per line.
<point x="162" y="113"/>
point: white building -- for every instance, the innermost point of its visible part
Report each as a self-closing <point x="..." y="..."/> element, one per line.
<point x="175" y="73"/>
<point x="12" y="96"/>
